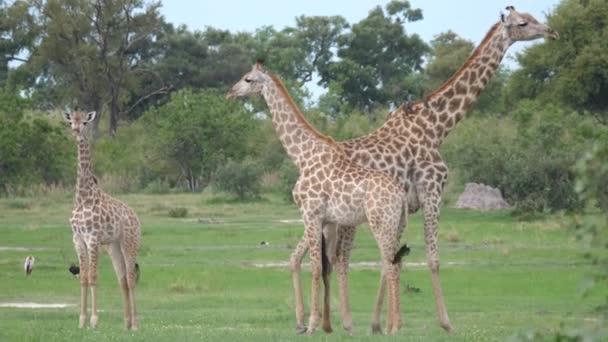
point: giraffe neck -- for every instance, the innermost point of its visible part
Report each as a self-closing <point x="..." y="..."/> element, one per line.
<point x="85" y="182"/>
<point x="299" y="138"/>
<point x="449" y="104"/>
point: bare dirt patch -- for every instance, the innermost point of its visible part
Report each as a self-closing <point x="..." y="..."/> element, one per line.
<point x="25" y="305"/>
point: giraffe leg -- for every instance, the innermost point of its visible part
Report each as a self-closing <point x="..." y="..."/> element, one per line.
<point x="376" y="328"/>
<point x="326" y="273"/>
<point x="296" y="272"/>
<point x="314" y="235"/>
<point x="130" y="255"/>
<point x="118" y="262"/>
<point x="93" y="275"/>
<point x="431" y="202"/>
<point x="83" y="259"/>
<point x="344" y="248"/>
<point x="395" y="307"/>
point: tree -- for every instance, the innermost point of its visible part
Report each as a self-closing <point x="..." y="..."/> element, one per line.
<point x="195" y="133"/>
<point x="17" y="34"/>
<point x="91" y="51"/>
<point x="376" y="57"/>
<point x="572" y="70"/>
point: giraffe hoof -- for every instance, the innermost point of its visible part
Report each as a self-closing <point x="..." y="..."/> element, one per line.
<point x="447" y="327"/>
<point x="82" y="321"/>
<point x="376" y="329"/>
<point x="94" y="320"/>
<point x="327" y="329"/>
<point x="300" y="329"/>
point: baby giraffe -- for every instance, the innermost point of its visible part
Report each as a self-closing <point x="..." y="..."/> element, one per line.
<point x="332" y="190"/>
<point x="100" y="220"/>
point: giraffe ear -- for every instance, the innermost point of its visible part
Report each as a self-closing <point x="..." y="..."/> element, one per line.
<point x="91" y="116"/>
<point x="67" y="116"/>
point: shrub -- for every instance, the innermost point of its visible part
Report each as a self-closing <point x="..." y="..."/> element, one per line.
<point x="241" y="179"/>
<point x="289" y="175"/>
<point x="178" y="212"/>
<point x="528" y="156"/>
<point x="32" y="151"/>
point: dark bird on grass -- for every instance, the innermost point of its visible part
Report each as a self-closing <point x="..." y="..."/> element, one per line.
<point x="28" y="265"/>
<point x="75" y="270"/>
<point x="264" y="243"/>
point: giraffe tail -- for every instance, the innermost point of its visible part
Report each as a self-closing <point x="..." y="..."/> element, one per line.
<point x="403" y="251"/>
<point x="325" y="264"/>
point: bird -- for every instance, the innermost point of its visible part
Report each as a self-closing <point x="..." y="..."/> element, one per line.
<point x="264" y="243"/>
<point x="75" y="270"/>
<point x="28" y="266"/>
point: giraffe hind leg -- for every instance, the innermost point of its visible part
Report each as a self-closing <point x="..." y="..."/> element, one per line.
<point x="118" y="261"/>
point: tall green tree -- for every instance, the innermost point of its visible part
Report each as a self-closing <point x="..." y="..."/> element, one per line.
<point x="572" y="70"/>
<point x="92" y="51"/>
<point x="195" y="133"/>
<point x="375" y="58"/>
<point x="17" y="34"/>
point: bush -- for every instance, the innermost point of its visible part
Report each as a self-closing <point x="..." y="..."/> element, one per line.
<point x="194" y="133"/>
<point x="32" y="151"/>
<point x="241" y="179"/>
<point x="528" y="156"/>
<point x="289" y="176"/>
<point x="178" y="212"/>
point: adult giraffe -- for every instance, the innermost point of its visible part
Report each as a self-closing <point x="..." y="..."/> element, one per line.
<point x="332" y="190"/>
<point x="407" y="147"/>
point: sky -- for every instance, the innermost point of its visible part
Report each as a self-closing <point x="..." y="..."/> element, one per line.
<point x="470" y="19"/>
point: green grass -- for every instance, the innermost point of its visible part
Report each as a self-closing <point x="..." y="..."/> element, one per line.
<point x="199" y="282"/>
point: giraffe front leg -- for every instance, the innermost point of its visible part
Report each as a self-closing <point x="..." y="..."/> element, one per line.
<point x="93" y="275"/>
<point x="83" y="262"/>
<point x="295" y="263"/>
<point x="314" y="235"/>
<point x="431" y="202"/>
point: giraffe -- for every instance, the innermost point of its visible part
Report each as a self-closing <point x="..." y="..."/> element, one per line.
<point x="407" y="145"/>
<point x="100" y="220"/>
<point x="331" y="190"/>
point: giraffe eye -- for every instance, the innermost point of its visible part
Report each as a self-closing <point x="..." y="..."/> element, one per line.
<point x="523" y="24"/>
<point x="248" y="80"/>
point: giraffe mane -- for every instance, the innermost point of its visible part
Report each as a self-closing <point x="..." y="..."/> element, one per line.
<point x="299" y="116"/>
<point x="464" y="66"/>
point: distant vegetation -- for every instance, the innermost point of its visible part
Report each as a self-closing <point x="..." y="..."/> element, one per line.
<point x="165" y="126"/>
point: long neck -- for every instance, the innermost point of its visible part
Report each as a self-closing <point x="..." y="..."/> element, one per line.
<point x="448" y="105"/>
<point x="85" y="182"/>
<point x="298" y="136"/>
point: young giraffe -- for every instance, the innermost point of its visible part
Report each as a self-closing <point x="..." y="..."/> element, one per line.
<point x="331" y="190"/>
<point x="407" y="147"/>
<point x="100" y="220"/>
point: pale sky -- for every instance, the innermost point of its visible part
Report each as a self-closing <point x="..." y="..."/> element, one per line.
<point x="470" y="19"/>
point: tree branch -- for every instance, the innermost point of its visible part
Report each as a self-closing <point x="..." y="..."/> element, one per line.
<point x="162" y="90"/>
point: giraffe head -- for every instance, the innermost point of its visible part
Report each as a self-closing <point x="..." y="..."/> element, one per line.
<point x="523" y="26"/>
<point x="78" y="122"/>
<point x="251" y="83"/>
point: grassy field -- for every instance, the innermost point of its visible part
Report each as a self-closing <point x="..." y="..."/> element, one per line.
<point x="202" y="275"/>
